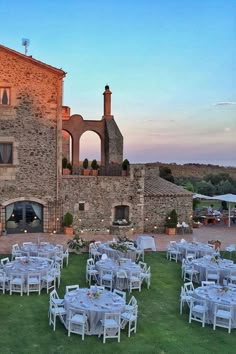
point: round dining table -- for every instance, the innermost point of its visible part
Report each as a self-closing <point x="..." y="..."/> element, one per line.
<point x="36" y="249"/>
<point x="197" y="248"/>
<point x="95" y="306"/>
<point x="118" y="265"/>
<point x="115" y="254"/>
<point x="27" y="265"/>
<point x="225" y="295"/>
<point x="209" y="262"/>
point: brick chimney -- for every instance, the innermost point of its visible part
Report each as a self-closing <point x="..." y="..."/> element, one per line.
<point x="107" y="102"/>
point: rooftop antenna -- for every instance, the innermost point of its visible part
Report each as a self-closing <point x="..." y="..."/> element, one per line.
<point x="25" y="43"/>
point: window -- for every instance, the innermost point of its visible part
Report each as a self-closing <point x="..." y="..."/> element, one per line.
<point x="81" y="206"/>
<point x="4" y="95"/>
<point x="6" y="153"/>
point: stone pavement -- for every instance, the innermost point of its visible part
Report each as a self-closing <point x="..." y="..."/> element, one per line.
<point x="203" y="234"/>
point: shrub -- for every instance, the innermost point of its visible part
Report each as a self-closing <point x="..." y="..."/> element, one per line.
<point x="85" y="164"/>
<point x="171" y="219"/>
<point x="64" y="162"/>
<point x="94" y="165"/>
<point x="68" y="219"/>
<point x="125" y="165"/>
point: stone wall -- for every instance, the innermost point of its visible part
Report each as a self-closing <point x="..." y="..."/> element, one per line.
<point x="157" y="208"/>
<point x="31" y="124"/>
<point x="100" y="195"/>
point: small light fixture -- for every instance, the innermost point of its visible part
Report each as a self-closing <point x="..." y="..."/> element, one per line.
<point x="57" y="219"/>
<point x="132" y="229"/>
<point x="108" y="230"/>
<point x="13" y="215"/>
<point x="155" y="227"/>
<point x="54" y="231"/>
<point x="25" y="231"/>
<point x="79" y="220"/>
<point x="146" y="219"/>
<point x="102" y="220"/>
<point x="82" y="231"/>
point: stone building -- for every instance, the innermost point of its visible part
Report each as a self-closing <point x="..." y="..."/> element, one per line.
<point x="34" y="195"/>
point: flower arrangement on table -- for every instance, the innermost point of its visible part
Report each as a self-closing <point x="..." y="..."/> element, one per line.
<point x="25" y="261"/>
<point x="215" y="259"/>
<point x="119" y="247"/>
<point x="223" y="289"/>
<point x="122" y="239"/>
<point x="94" y="294"/>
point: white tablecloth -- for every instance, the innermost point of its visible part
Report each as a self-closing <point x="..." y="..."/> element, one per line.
<point x="95" y="308"/>
<point x="215" y="294"/>
<point x="27" y="265"/>
<point x="115" y="254"/>
<point x="32" y="250"/>
<point x="224" y="266"/>
<point x="145" y="242"/>
<point x="113" y="265"/>
<point x="201" y="249"/>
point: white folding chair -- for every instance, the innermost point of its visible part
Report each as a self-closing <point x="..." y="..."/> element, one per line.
<point x="189" y="288"/>
<point x="207" y="283"/>
<point x="56" y="270"/>
<point x="3" y="281"/>
<point x="91" y="272"/>
<point x="56" y="309"/>
<point x="5" y="260"/>
<point x="77" y="322"/>
<point x="198" y="311"/>
<point x="232" y="276"/>
<point x="135" y="281"/>
<point x="146" y="276"/>
<point x="223" y="316"/>
<point x="191" y="274"/>
<point x="111" y="326"/>
<point x="48" y="281"/>
<point x="15" y="252"/>
<point x="71" y="288"/>
<point x="131" y="304"/>
<point x="213" y="275"/>
<point x="17" y="283"/>
<point x="33" y="283"/>
<point x="106" y="278"/>
<point x="185" y="298"/>
<point x="130" y="317"/>
<point x="66" y="256"/>
<point x="120" y="293"/>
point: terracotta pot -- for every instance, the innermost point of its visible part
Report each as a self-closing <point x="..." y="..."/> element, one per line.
<point x="68" y="230"/>
<point x="66" y="171"/>
<point x="171" y="231"/>
<point x="86" y="172"/>
<point x="94" y="172"/>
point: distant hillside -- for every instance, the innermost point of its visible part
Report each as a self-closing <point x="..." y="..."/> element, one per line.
<point x="196" y="170"/>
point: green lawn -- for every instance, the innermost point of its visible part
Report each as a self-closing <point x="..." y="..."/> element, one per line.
<point x="24" y="320"/>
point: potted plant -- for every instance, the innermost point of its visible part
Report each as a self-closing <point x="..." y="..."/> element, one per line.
<point x="65" y="167"/>
<point x="67" y="222"/>
<point x="125" y="166"/>
<point x="95" y="167"/>
<point x="171" y="222"/>
<point x="85" y="167"/>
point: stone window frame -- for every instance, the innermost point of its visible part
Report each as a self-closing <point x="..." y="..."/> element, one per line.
<point x="15" y="146"/>
<point x="4" y="153"/>
<point x="8" y="88"/>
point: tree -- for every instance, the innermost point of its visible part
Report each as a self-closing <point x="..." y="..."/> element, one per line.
<point x="165" y="173"/>
<point x="206" y="188"/>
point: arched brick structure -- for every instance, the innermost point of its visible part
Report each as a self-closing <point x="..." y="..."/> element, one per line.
<point x="106" y="128"/>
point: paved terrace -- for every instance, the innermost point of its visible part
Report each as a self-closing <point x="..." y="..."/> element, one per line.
<point x="203" y="234"/>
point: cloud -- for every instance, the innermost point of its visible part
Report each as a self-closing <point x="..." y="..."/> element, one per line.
<point x="224" y="103"/>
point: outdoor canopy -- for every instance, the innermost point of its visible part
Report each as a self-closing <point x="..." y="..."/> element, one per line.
<point x="229" y="198"/>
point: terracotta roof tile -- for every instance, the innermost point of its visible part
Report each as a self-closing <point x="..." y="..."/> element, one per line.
<point x="159" y="186"/>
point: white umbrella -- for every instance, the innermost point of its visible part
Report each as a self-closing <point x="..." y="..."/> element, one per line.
<point x="201" y="196"/>
<point x="230" y="198"/>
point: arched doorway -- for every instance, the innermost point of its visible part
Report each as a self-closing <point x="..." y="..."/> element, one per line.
<point x="90" y="146"/>
<point x="24" y="216"/>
